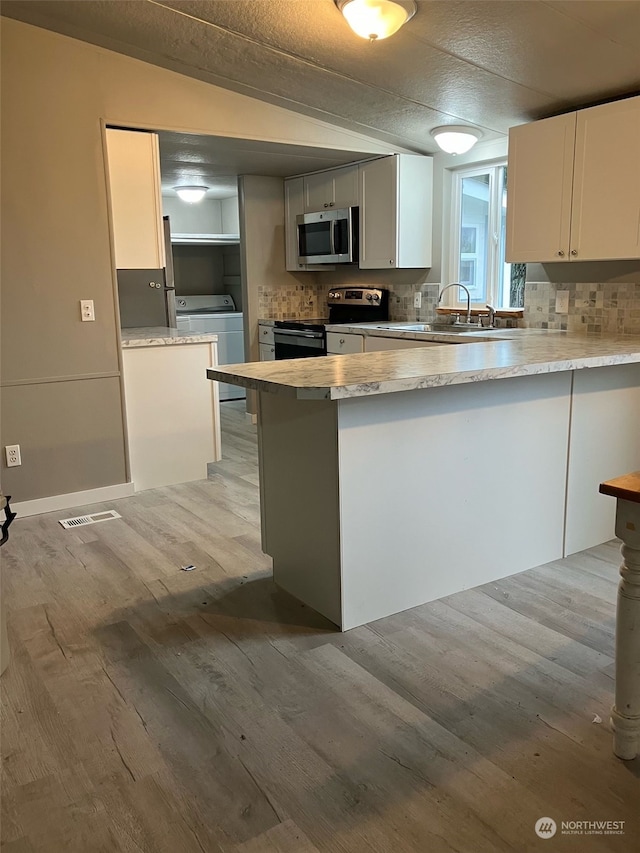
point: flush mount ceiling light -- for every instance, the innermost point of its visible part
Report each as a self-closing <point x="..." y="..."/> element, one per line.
<point x="191" y="194"/>
<point x="376" y="19"/>
<point x="456" y="138"/>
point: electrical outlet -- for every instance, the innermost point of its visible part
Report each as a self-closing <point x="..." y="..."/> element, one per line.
<point x="417" y="300"/>
<point x="86" y="310"/>
<point x="12" y="452"/>
<point x="562" y="302"/>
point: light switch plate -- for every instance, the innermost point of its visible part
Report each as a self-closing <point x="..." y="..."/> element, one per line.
<point x="562" y="302"/>
<point x="417" y="300"/>
<point x="86" y="310"/>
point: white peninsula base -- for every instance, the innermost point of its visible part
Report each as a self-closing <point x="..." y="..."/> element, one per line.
<point x="374" y="504"/>
<point x="173" y="412"/>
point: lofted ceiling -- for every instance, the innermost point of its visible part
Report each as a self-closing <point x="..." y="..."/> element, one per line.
<point x="492" y="64"/>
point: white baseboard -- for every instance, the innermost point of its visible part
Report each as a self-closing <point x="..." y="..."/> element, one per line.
<point x="57" y="502"/>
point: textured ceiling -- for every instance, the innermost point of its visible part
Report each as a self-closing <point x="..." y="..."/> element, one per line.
<point x="215" y="162"/>
<point x="491" y="64"/>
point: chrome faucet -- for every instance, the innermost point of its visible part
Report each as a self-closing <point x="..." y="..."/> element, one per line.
<point x="492" y="316"/>
<point x="466" y="290"/>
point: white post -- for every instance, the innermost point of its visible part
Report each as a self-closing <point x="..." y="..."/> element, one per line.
<point x="625" y="715"/>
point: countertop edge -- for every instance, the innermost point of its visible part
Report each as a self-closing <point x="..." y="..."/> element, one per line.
<point x="158" y="336"/>
<point x="460" y="376"/>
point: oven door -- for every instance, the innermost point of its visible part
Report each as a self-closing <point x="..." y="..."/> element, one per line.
<point x="327" y="237"/>
<point x="298" y="344"/>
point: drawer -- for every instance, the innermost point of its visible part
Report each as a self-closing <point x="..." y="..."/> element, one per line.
<point x="265" y="334"/>
<point x="337" y="343"/>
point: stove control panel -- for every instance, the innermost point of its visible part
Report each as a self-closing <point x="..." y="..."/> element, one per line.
<point x="357" y="296"/>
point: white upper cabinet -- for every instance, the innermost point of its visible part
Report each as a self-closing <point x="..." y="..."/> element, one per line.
<point x="395" y="199"/>
<point x="136" y="206"/>
<point x="396" y="209"/>
<point x="606" y="184"/>
<point x="335" y="188"/>
<point x="539" y="180"/>
<point x="574" y="186"/>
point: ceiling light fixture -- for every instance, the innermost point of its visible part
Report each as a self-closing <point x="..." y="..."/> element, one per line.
<point x="191" y="194"/>
<point x="456" y="138"/>
<point x="376" y="19"/>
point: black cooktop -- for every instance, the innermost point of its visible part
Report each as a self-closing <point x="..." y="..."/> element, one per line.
<point x="315" y="324"/>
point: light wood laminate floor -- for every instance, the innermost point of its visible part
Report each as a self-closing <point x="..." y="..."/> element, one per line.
<point x="151" y="709"/>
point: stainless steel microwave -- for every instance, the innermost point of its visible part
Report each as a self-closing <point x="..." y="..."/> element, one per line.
<point x="328" y="237"/>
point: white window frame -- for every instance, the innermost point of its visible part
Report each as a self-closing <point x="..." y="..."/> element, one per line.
<point x="494" y="296"/>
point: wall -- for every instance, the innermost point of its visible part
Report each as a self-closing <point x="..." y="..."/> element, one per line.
<point x="262" y="256"/>
<point x="56" y="94"/>
<point x="603" y="297"/>
<point x="56" y="251"/>
<point x="198" y="269"/>
<point x="262" y="253"/>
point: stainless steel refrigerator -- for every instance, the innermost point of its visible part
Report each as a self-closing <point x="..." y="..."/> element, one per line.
<point x="147" y="297"/>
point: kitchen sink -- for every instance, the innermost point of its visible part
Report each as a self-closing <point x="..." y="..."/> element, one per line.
<point x="428" y="327"/>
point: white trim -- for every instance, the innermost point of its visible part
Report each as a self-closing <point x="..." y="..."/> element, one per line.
<point x="494" y="295"/>
<point x="73" y="499"/>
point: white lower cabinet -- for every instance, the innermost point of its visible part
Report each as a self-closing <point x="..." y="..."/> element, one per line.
<point x="173" y="413"/>
<point x="265" y="333"/>
<point x="374" y="344"/>
<point x="267" y="352"/>
<point x="338" y="344"/>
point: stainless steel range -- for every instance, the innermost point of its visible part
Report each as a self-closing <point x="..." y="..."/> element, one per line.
<point x="308" y="338"/>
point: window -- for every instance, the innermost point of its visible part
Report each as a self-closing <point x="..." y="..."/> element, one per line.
<point x="479" y="211"/>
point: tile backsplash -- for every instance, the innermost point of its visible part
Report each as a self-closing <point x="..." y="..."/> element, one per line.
<point x="304" y="301"/>
<point x="299" y="301"/>
<point x="610" y="307"/>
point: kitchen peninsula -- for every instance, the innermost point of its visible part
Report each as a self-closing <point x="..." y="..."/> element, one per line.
<point x="389" y="479"/>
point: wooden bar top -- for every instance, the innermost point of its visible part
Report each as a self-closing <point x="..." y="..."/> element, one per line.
<point x="626" y="487"/>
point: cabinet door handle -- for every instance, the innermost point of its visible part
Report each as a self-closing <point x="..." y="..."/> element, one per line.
<point x="561" y="253"/>
<point x="330" y="204"/>
<point x="325" y="204"/>
<point x="341" y="340"/>
<point x="574" y="251"/>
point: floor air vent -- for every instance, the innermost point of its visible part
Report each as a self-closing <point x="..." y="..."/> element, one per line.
<point x="81" y="520"/>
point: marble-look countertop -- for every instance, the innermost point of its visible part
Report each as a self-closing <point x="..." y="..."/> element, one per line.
<point x="525" y="353"/>
<point x="155" y="336"/>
